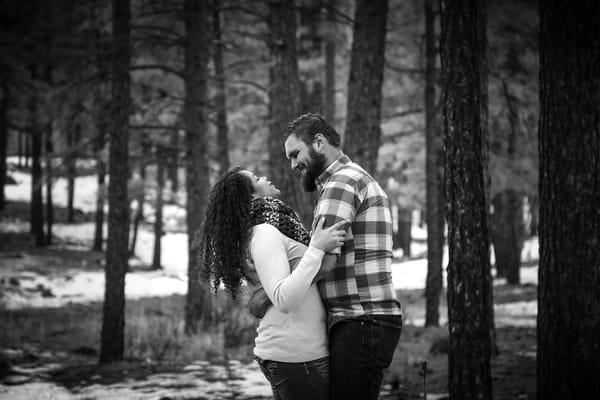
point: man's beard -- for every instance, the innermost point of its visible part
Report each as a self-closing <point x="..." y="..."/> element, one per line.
<point x="315" y="167"/>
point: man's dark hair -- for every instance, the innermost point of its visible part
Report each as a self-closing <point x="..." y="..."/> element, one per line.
<point x="306" y="126"/>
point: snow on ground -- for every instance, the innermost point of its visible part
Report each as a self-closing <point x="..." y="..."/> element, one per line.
<point x="199" y="380"/>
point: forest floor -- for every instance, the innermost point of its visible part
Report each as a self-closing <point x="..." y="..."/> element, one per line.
<point x="51" y="311"/>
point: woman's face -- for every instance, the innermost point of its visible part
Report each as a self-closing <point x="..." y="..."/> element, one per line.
<point x="262" y="186"/>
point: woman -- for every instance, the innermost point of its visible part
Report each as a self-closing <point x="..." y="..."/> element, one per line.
<point x="250" y="234"/>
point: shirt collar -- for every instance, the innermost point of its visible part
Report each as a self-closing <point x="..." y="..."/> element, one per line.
<point x="332" y="169"/>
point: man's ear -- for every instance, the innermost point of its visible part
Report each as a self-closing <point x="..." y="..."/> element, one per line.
<point x="319" y="142"/>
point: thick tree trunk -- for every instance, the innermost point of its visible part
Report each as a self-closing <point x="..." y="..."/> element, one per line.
<point x="198" y="301"/>
<point x="4" y="105"/>
<point x="329" y="95"/>
<point x="464" y="77"/>
<point x="220" y="96"/>
<point x="158" y="217"/>
<point x="284" y="103"/>
<point x="568" y="324"/>
<point x="363" y="115"/>
<point x="113" y="316"/>
<point x="434" y="200"/>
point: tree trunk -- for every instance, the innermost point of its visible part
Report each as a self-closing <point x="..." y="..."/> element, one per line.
<point x="363" y="116"/>
<point x="140" y="193"/>
<point x="198" y="298"/>
<point x="73" y="136"/>
<point x="100" y="197"/>
<point x="4" y="105"/>
<point x="464" y="79"/>
<point x="434" y="215"/>
<point x="28" y="150"/>
<point x="330" y="37"/>
<point x="403" y="236"/>
<point x="49" y="149"/>
<point x="158" y="217"/>
<point x="174" y="162"/>
<point x="284" y="103"/>
<point x="37" y="206"/>
<point x="507" y="219"/>
<point x="113" y="316"/>
<point x="507" y="235"/>
<point x="568" y="324"/>
<point x="220" y="96"/>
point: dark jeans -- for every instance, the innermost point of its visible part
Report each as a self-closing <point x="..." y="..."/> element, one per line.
<point x="360" y="349"/>
<point x="302" y="381"/>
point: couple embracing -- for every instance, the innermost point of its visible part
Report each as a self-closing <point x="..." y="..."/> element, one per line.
<point x="329" y="316"/>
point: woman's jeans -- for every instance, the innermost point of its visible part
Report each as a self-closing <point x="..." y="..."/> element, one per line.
<point x="360" y="349"/>
<point x="302" y="381"/>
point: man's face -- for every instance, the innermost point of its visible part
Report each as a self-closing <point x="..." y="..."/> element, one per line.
<point x="306" y="160"/>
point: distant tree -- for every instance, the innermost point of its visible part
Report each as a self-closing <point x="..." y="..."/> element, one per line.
<point x="113" y="315"/>
<point x="464" y="85"/>
<point x="568" y="324"/>
<point x="433" y="160"/>
<point x="198" y="300"/>
<point x="284" y="102"/>
<point x="4" y="107"/>
<point x="363" y="116"/>
<point x="36" y="133"/>
<point x="158" y="206"/>
<point x="48" y="150"/>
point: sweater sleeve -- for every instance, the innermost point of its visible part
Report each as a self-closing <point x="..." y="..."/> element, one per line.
<point x="284" y="288"/>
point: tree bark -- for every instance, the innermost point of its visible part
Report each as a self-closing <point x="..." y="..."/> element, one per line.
<point x="113" y="316"/>
<point x="195" y="116"/>
<point x="568" y="324"/>
<point x="434" y="200"/>
<point x="284" y="103"/>
<point x="464" y="77"/>
<point x="220" y="96"/>
<point x="363" y="116"/>
<point x="158" y="217"/>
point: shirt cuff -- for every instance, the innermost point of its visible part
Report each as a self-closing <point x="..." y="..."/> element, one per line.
<point x="314" y="252"/>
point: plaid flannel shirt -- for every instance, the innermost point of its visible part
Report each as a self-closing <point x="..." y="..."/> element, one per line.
<point x="360" y="283"/>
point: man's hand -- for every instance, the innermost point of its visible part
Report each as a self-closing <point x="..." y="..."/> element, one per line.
<point x="259" y="303"/>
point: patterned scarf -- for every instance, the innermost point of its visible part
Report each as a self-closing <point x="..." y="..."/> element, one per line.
<point x="275" y="212"/>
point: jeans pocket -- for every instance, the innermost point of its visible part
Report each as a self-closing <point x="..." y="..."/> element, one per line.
<point x="385" y="340"/>
<point x="270" y="369"/>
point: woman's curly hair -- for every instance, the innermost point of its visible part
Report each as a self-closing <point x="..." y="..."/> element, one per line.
<point x="224" y="237"/>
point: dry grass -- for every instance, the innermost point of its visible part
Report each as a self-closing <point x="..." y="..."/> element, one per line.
<point x="154" y="330"/>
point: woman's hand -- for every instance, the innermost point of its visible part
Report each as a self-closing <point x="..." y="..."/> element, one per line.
<point x="329" y="238"/>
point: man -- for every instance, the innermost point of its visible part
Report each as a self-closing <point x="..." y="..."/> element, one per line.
<point x="364" y="314"/>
